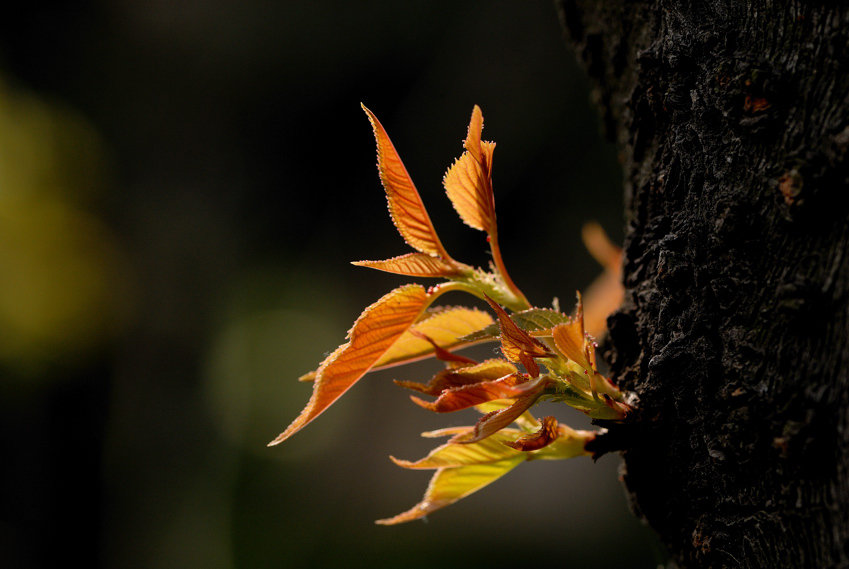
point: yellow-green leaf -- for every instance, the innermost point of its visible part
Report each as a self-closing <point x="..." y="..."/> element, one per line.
<point x="463" y="469"/>
<point x="536" y="321"/>
<point x="374" y="332"/>
<point x="451" y="484"/>
<point x="444" y="326"/>
<point x="449" y="455"/>
<point x="568" y="444"/>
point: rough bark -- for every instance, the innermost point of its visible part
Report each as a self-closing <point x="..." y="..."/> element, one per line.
<point x="733" y="123"/>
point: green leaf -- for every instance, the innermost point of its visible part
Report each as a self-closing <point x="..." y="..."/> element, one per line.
<point x="534" y="320"/>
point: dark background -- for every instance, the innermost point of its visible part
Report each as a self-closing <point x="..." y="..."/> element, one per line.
<point x="182" y="187"/>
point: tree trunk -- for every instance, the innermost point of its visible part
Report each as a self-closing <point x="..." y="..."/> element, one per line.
<point x="733" y="124"/>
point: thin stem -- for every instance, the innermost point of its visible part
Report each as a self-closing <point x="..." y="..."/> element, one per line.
<point x="442" y="288"/>
<point x="523" y="303"/>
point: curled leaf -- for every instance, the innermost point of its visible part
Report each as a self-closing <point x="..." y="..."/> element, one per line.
<point x="488" y="370"/>
<point x="374" y="332"/>
<point x="569" y="443"/>
<point x="496" y="420"/>
<point x="543" y="437"/>
<point x="516" y="344"/>
<point x="405" y="205"/>
<point x="452" y="361"/>
<point x="525" y="421"/>
<point x="457" y="398"/>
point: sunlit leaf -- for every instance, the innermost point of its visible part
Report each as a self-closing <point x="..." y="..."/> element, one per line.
<point x="599" y="406"/>
<point x="457" y="398"/>
<point x="568" y="444"/>
<point x="488" y="370"/>
<point x="374" y="332"/>
<point x="449" y="485"/>
<point x="536" y="321"/>
<point x="445" y="326"/>
<point x="473" y="134"/>
<point x="497" y="420"/>
<point x="526" y="421"/>
<point x="516" y="344"/>
<point x="569" y="339"/>
<point x="468" y="182"/>
<point x="418" y="265"/>
<point x="405" y="205"/>
<point x="465" y="468"/>
<point x="492" y="449"/>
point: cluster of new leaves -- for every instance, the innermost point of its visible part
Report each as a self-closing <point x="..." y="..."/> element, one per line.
<point x="547" y="354"/>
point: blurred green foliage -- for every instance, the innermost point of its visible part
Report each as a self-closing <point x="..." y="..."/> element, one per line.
<point x="63" y="288"/>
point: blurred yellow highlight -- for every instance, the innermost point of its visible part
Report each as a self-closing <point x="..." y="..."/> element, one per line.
<point x="63" y="279"/>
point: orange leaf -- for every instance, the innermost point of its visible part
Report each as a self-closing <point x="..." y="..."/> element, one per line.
<point x="468" y="182"/>
<point x="444" y="326"/>
<point x="603" y="297"/>
<point x="418" y="265"/>
<point x="497" y="420"/>
<point x="472" y="143"/>
<point x="570" y="340"/>
<point x="405" y="205"/>
<point x="606" y="293"/>
<point x="374" y="332"/>
<point x="516" y="344"/>
<point x="546" y="435"/>
<point x="457" y="398"/>
<point x="603" y="250"/>
<point x="488" y="370"/>
<point x="451" y="360"/>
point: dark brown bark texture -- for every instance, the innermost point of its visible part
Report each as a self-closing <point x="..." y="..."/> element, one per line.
<point x="733" y="123"/>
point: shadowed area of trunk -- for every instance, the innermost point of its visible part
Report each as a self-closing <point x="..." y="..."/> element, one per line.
<point x="733" y="124"/>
